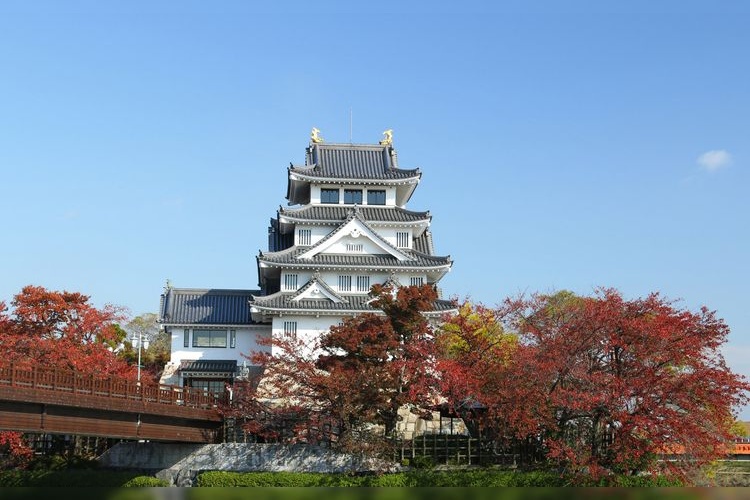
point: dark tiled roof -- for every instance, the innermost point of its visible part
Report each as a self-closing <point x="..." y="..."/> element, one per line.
<point x="356" y="303"/>
<point x="381" y="261"/>
<point x="317" y="280"/>
<point x="423" y="244"/>
<point x="206" y="306"/>
<point x="209" y="365"/>
<point x="337" y="213"/>
<point x="276" y="240"/>
<point x="353" y="161"/>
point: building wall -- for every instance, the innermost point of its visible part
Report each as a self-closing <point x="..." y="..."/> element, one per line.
<point x="308" y="328"/>
<point x="246" y="343"/>
<point x="317" y="233"/>
<point x="390" y="193"/>
<point x="332" y="279"/>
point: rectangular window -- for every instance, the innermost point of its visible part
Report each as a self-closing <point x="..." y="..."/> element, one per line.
<point x="329" y="195"/>
<point x="345" y="283"/>
<point x="363" y="283"/>
<point x="375" y="197"/>
<point x="290" y="282"/>
<point x="304" y="237"/>
<point x="402" y="239"/>
<point x="353" y="196"/>
<point x="290" y="329"/>
<point x="209" y="338"/>
<point x="232" y="338"/>
<point x="186" y="340"/>
<point x="416" y="281"/>
<point x="355" y="247"/>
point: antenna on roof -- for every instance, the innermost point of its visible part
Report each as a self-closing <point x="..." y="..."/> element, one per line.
<point x="351" y="141"/>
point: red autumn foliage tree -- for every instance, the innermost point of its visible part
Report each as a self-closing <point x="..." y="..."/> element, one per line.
<point x="63" y="330"/>
<point x="357" y="375"/>
<point x="479" y="376"/>
<point x="14" y="452"/>
<point x="606" y="384"/>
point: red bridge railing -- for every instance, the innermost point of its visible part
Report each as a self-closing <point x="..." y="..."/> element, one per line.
<point x="72" y="382"/>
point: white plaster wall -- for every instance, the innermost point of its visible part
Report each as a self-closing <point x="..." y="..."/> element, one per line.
<point x="247" y="342"/>
<point x="302" y="278"/>
<point x="309" y="328"/>
<point x="319" y="232"/>
<point x="368" y="247"/>
<point x="390" y="193"/>
<point x="332" y="278"/>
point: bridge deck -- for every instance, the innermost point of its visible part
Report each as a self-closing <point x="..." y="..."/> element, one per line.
<point x="34" y="399"/>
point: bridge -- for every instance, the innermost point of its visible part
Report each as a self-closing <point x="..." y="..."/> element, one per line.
<point x="55" y="401"/>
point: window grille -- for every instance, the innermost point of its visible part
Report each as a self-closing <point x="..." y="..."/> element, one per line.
<point x="304" y="237"/>
<point x="290" y="329"/>
<point x="345" y="283"/>
<point x="363" y="283"/>
<point x="416" y="281"/>
<point x="290" y="282"/>
<point x="402" y="239"/>
<point x="355" y="247"/>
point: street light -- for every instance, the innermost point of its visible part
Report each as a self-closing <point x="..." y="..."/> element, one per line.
<point x="141" y="341"/>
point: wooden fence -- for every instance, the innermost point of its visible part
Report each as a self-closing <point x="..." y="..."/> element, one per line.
<point x="451" y="449"/>
<point x="75" y="383"/>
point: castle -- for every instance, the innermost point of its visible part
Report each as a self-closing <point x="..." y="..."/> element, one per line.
<point x="346" y="228"/>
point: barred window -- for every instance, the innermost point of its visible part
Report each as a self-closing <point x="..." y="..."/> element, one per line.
<point x="290" y="282"/>
<point x="416" y="281"/>
<point x="355" y="247"/>
<point x="402" y="239"/>
<point x="363" y="283"/>
<point x="290" y="329"/>
<point x="304" y="237"/>
<point x="186" y="340"/>
<point x="345" y="283"/>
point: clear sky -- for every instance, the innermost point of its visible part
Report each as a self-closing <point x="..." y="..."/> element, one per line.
<point x="562" y="146"/>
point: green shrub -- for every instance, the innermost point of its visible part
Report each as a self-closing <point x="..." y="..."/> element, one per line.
<point x="398" y="480"/>
<point x="217" y="479"/>
<point x="145" y="482"/>
<point x="274" y="479"/>
<point x="424" y="478"/>
<point x="423" y="462"/>
<point x="60" y="462"/>
<point x="645" y="481"/>
<point x="67" y="478"/>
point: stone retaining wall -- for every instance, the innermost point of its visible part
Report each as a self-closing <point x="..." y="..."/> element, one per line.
<point x="179" y="463"/>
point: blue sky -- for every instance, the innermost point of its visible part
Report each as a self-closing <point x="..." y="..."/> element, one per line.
<point x="562" y="147"/>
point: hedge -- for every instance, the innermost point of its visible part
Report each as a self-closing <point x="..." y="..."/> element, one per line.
<point x="420" y="478"/>
<point x="66" y="478"/>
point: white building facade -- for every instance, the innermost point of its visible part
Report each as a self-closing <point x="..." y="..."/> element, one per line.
<point x="346" y="228"/>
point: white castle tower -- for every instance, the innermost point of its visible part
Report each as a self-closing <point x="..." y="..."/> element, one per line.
<point x="347" y="228"/>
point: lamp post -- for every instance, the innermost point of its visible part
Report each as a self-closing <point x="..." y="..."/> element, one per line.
<point x="142" y="342"/>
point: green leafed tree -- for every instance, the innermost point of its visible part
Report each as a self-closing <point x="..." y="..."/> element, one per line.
<point x="153" y="358"/>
